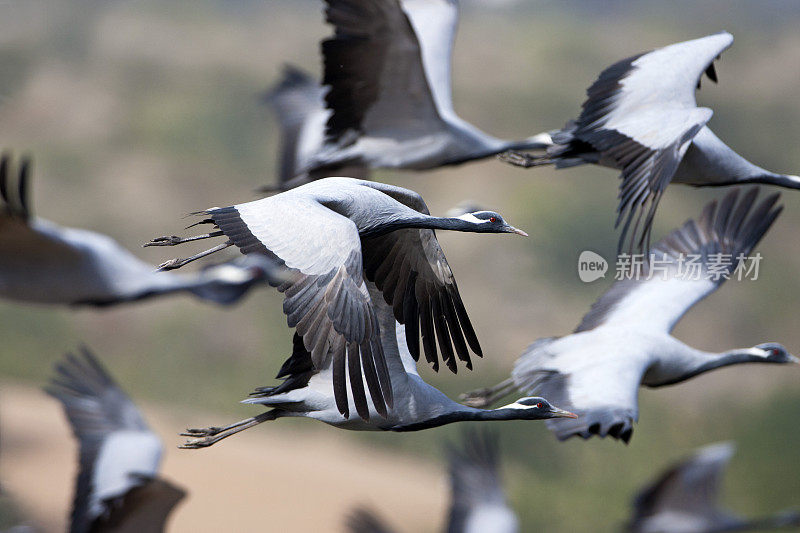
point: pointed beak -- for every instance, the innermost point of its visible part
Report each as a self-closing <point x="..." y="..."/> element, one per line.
<point x="512" y="229"/>
<point x="793" y="359"/>
<point x="561" y="413"/>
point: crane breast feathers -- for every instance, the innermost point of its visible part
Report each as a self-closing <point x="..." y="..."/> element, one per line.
<point x="687" y="265"/>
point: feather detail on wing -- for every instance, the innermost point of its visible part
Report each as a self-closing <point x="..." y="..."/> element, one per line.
<point x="99" y="411"/>
<point x="411" y="270"/>
<point x="641" y="115"/>
<point x="326" y="298"/>
<point x="687" y="265"/>
<point x="538" y="372"/>
<point x="373" y="66"/>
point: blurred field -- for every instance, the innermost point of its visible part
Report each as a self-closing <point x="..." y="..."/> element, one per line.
<point x="138" y="112"/>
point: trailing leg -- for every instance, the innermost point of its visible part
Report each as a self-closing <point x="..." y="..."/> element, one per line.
<point x="205" y="437"/>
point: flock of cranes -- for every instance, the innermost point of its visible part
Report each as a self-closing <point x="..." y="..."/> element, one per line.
<point x="367" y="288"/>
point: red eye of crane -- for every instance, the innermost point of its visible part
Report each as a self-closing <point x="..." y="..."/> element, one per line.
<point x="493" y="219"/>
<point x="539" y="405"/>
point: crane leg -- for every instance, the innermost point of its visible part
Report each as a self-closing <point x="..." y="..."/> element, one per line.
<point x="174" y="240"/>
<point x="172" y="264"/>
<point x="205" y="437"/>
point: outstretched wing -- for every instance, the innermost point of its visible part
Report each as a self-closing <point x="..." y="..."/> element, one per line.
<point x="117" y="450"/>
<point x="687" y="265"/>
<point x="410" y="268"/>
<point x="603" y="392"/>
<point x="478" y="500"/>
<point x="326" y="299"/>
<point x="641" y="115"/>
<point x="374" y="68"/>
<point x="690" y="487"/>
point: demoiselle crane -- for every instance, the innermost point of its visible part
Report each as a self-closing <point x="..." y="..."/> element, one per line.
<point x="335" y="234"/>
<point x="478" y="502"/>
<point x="624" y="341"/>
<point x="684" y="499"/>
<point x="387" y="74"/>
<point x="118" y="487"/>
<point x="43" y="262"/>
<point x="309" y="391"/>
<point x="641" y="117"/>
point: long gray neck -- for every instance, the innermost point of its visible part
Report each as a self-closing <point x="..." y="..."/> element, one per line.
<point x="781" y="180"/>
<point x="466" y="414"/>
<point x="709" y="161"/>
<point x="692" y="362"/>
<point x="420" y="221"/>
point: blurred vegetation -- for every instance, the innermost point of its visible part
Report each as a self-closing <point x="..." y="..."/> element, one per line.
<point x="138" y="112"/>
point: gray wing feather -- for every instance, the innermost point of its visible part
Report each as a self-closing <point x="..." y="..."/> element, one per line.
<point x="718" y="237"/>
<point x="144" y="508"/>
<point x="326" y="297"/>
<point x="297" y="99"/>
<point x="478" y="498"/>
<point x="688" y="487"/>
<point x="96" y="408"/>
<point x="641" y="114"/>
<point x="410" y="268"/>
<point x="374" y="69"/>
<point x="536" y="372"/>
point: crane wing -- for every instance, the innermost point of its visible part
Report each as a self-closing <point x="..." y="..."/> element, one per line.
<point x="687" y="265"/>
<point x="118" y="451"/>
<point x="688" y="487"/>
<point x="374" y="68"/>
<point x="478" y="500"/>
<point x="575" y="379"/>
<point x="326" y="299"/>
<point x="641" y="115"/>
<point x="410" y="268"/>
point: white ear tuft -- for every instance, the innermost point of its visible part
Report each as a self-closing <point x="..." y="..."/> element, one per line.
<point x="469" y="217"/>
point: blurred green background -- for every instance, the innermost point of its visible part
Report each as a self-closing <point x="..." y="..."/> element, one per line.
<point x="138" y="112"/>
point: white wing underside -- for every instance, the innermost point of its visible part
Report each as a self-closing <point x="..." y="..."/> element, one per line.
<point x="435" y="22"/>
<point x="658" y="304"/>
